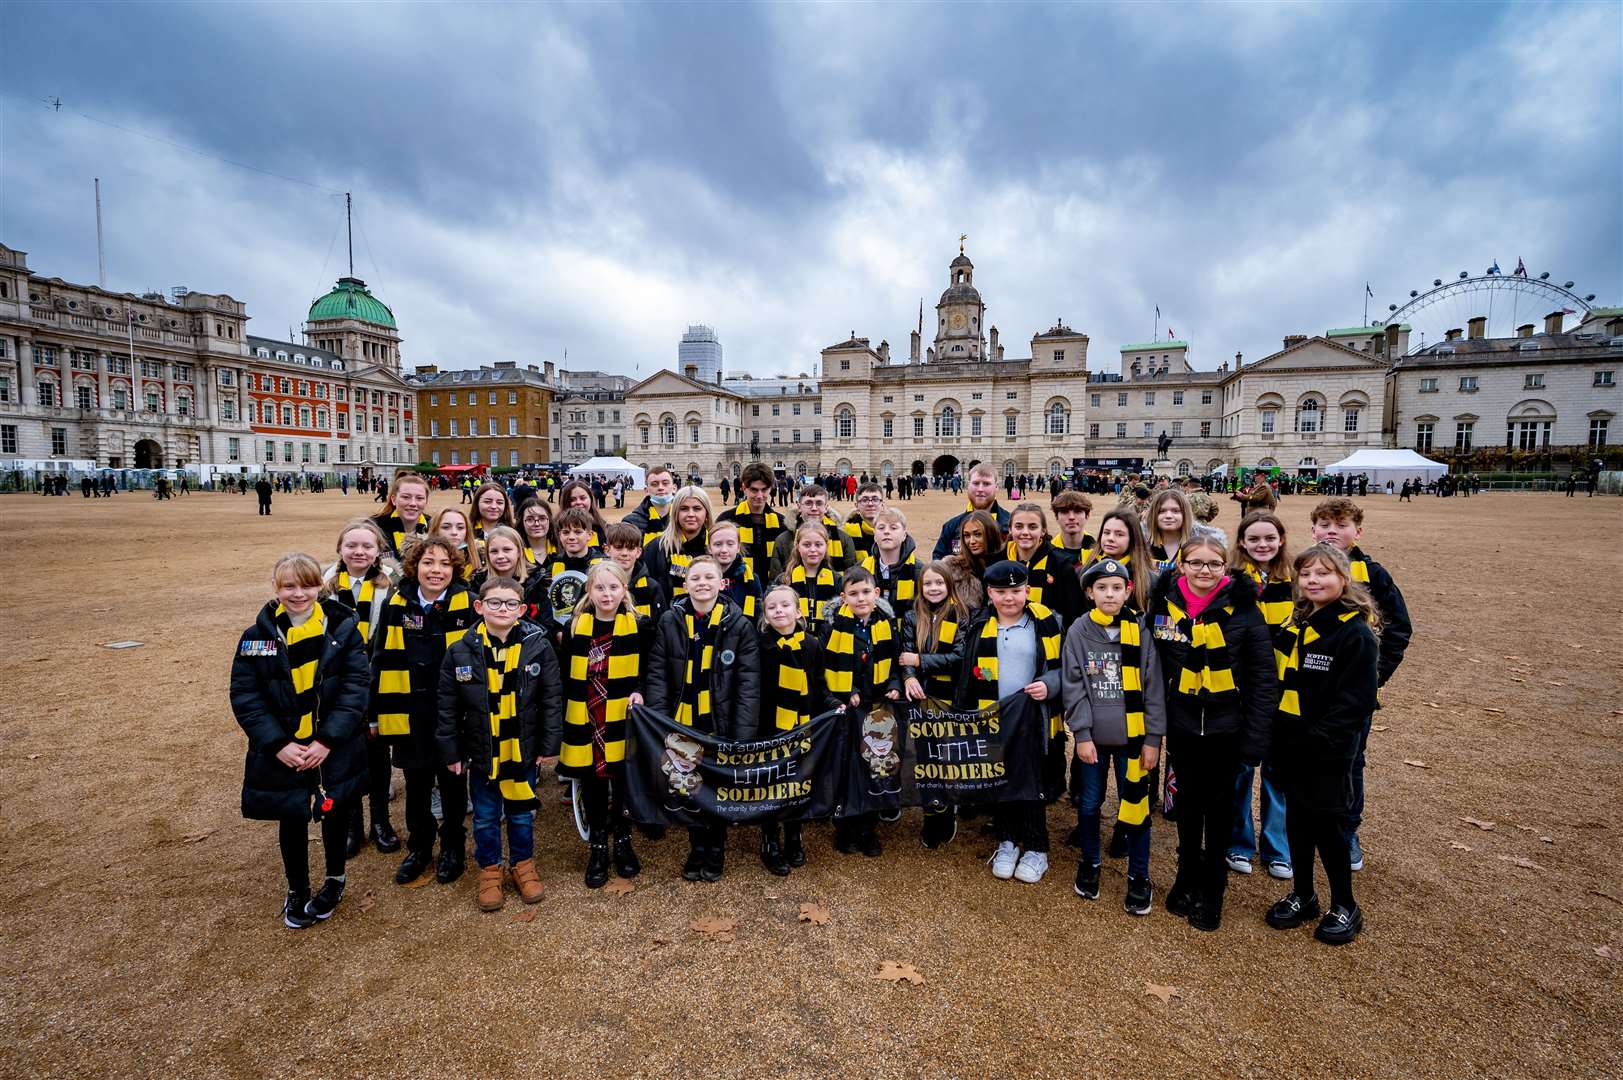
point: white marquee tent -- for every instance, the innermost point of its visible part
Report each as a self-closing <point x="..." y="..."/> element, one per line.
<point x="1383" y="465"/>
<point x="610" y="466"/>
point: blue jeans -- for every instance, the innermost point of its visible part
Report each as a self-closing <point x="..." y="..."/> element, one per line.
<point x="1094" y="781"/>
<point x="1275" y="845"/>
<point x="488" y="811"/>
<point x="1355" y="816"/>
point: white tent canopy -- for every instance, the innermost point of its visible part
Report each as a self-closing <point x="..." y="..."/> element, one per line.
<point x="1383" y="465"/>
<point x="610" y="466"/>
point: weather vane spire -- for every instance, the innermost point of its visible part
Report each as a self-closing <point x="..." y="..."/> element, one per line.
<point x="961" y="238"/>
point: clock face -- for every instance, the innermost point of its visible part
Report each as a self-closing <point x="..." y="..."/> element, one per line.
<point x="958" y="321"/>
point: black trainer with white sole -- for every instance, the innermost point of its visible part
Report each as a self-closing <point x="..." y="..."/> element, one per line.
<point x="325" y="902"/>
<point x="1087" y="881"/>
<point x="293" y="913"/>
<point x="1140" y="896"/>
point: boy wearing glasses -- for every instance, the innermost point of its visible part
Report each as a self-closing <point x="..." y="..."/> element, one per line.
<point x="501" y="715"/>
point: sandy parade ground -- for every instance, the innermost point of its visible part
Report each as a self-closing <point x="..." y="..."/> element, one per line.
<point x="143" y="937"/>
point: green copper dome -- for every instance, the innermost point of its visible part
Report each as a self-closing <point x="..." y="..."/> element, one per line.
<point x="350" y="299"/>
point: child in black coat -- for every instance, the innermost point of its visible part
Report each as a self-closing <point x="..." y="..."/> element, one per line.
<point x="298" y="688"/>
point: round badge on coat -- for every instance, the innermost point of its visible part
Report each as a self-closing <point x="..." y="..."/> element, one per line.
<point x="728" y="656"/>
<point x="533" y="669"/>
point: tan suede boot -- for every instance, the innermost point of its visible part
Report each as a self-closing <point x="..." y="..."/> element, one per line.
<point x="490" y="888"/>
<point x="529" y="886"/>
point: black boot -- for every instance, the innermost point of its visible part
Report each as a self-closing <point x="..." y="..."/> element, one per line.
<point x="1206" y="913"/>
<point x="384" y="838"/>
<point x="355" y="839"/>
<point x="597" y="862"/>
<point x="626" y="863"/>
<point x="693" y="868"/>
<point x="715" y="858"/>
<point x="412" y="866"/>
<point x="450" y="865"/>
<point x="1180" y="898"/>
<point x="845" y="841"/>
<point x="772" y="852"/>
<point x="794" y="851"/>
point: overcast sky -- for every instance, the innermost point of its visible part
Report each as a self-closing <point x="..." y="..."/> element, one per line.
<point x="530" y="179"/>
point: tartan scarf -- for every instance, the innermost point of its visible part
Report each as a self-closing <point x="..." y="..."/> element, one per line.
<point x="840" y="654"/>
<point x="395" y="529"/>
<point x="742" y="589"/>
<point x="1273" y="597"/>
<point x="305" y="644"/>
<point x="1039" y="561"/>
<point x="507" y="765"/>
<point x="861" y="533"/>
<point x="985" y="661"/>
<point x="1206" y="674"/>
<point x="1288" y="661"/>
<point x="696" y="691"/>
<point x="391" y="670"/>
<point x="1134" y="808"/>
<point x="813" y="593"/>
<point x="897" y="584"/>
<point x="623" y="678"/>
<point x="360" y="603"/>
<point x="792" y="689"/>
<point x="1360" y="564"/>
<point x="753" y="546"/>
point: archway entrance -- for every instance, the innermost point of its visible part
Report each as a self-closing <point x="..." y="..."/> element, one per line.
<point x="148" y="455"/>
<point x="917" y="468"/>
<point x="945" y="465"/>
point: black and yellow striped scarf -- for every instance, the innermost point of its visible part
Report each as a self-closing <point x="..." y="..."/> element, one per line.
<point x="507" y="765"/>
<point x="1207" y="672"/>
<point x="642" y="594"/>
<point x="360" y="602"/>
<point x="841" y="661"/>
<point x="1359" y="563"/>
<point x="898" y="584"/>
<point x="813" y="593"/>
<point x="391" y="671"/>
<point x="395" y="530"/>
<point x="860" y="533"/>
<point x="836" y="532"/>
<point x="1134" y="809"/>
<point x="655" y="528"/>
<point x="1288" y="661"/>
<point x="1039" y="562"/>
<point x="696" y="701"/>
<point x="622" y="680"/>
<point x="1084" y="552"/>
<point x="793" y="688"/>
<point x="305" y="644"/>
<point x="737" y="589"/>
<point x="771" y="526"/>
<point x="942" y="684"/>
<point x="1273" y="597"/>
<point x="985" y="671"/>
<point x="682" y="558"/>
<point x="561" y="562"/>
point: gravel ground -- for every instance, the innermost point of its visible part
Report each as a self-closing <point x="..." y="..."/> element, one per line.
<point x="143" y="935"/>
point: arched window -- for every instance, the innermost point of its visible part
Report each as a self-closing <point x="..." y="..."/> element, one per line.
<point x="1308" y="415"/>
<point x="670" y="430"/>
<point x="845" y="423"/>
<point x="946" y="423"/>
<point x="1185" y="467"/>
<point x="1058" y="420"/>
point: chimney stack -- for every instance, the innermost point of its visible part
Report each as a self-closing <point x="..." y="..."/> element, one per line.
<point x="1392" y="331"/>
<point x="718" y="378"/>
<point x="884" y="351"/>
<point x="427" y="369"/>
<point x="1552" y="322"/>
<point x="1294" y="339"/>
<point x="548" y="369"/>
<point x="993" y="338"/>
<point x="1239" y="361"/>
<point x="913" y="354"/>
<point x="1525" y="330"/>
<point x="1479" y="327"/>
<point x="1454" y="334"/>
<point x="691" y="371"/>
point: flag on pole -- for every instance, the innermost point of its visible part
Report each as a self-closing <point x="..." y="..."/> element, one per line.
<point x="1367" y="290"/>
<point x="1170" y="335"/>
<point x="1494" y="269"/>
<point x="1568" y="311"/>
<point x="1157" y="311"/>
<point x="1521" y="268"/>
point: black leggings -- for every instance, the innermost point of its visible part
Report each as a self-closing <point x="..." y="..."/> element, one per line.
<point x="294" y="837"/>
<point x="598" y="796"/>
<point x="1207" y="766"/>
<point x="1316" y="830"/>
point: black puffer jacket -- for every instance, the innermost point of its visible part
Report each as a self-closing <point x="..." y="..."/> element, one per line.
<point x="463" y="732"/>
<point x="262" y="699"/>
<point x="735" y="673"/>
<point x="1335" y="692"/>
<point x="1247" y="714"/>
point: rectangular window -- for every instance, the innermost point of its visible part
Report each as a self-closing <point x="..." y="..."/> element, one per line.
<point x="183" y="406"/>
<point x="918" y="427"/>
<point x="473" y="457"/>
<point x="1009" y="423"/>
<point x="1533" y="382"/>
<point x="377" y="397"/>
<point x="1467" y="383"/>
<point x="1205" y="429"/>
<point x="434" y="457"/>
<point x="755" y="410"/>
<point x="47" y="393"/>
<point x="887" y="427"/>
<point x="343" y="421"/>
<point x="453" y="398"/>
<point x="1093" y="431"/>
<point x="1528" y="434"/>
<point x="233" y="449"/>
<point x="1349" y="421"/>
<point x="228" y="409"/>
<point x="453" y="427"/>
<point x="1093" y="400"/>
<point x="512" y="399"/>
<point x="975" y="424"/>
<point x="377" y="424"/>
<point x="434" y="399"/>
<point x="512" y="457"/>
<point x="456" y="458"/>
<point x="1177" y="397"/>
<point x="343" y="453"/>
<point x="490" y="425"/>
<point x="5" y="389"/>
<point x="1177" y="428"/>
<point x="776" y="435"/>
<point x="270" y="450"/>
<point x="1462" y="436"/>
<point x="1268" y="421"/>
<point x="118" y="365"/>
<point x="59" y="441"/>
<point x="1121" y="430"/>
<point x="1597" y="432"/>
<point x="794" y="435"/>
<point x="1012" y="395"/>
<point x="1205" y="397"/>
<point x="287" y="452"/>
<point x="433" y="429"/>
<point x="82" y="394"/>
<point x="491" y="401"/>
<point x="304" y="453"/>
<point x="1428" y="386"/>
<point x="796" y="407"/>
<point x="321" y="453"/>
<point x="1604" y="378"/>
<point x="512" y="425"/>
<point x="1149" y="397"/>
<point x="8" y="438"/>
<point x="817" y="408"/>
<point x="1121" y="399"/>
<point x="1422" y="437"/>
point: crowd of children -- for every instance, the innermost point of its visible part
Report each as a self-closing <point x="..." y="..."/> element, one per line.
<point x="1153" y="650"/>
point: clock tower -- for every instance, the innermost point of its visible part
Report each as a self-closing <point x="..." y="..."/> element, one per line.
<point x="960" y="315"/>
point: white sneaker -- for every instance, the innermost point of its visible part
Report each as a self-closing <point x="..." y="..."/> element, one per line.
<point x="1239" y="864"/>
<point x="1003" y="860"/>
<point x="1033" y="865"/>
<point x="1281" y="870"/>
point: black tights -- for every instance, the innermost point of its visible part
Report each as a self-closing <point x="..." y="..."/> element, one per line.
<point x="294" y="837"/>
<point x="598" y="794"/>
<point x="1207" y="765"/>
<point x="1315" y="830"/>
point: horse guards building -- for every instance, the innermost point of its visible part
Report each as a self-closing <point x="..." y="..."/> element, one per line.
<point x="93" y="380"/>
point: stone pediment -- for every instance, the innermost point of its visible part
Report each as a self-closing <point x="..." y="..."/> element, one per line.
<point x="668" y="383"/>
<point x="1316" y="353"/>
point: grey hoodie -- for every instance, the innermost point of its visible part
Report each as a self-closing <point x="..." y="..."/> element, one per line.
<point x="1095" y="709"/>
